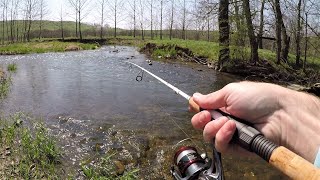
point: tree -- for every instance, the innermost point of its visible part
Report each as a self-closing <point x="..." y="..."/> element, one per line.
<point x="141" y="19"/>
<point x="31" y="7"/>
<point x="43" y="12"/>
<point x="298" y="35"/>
<point x="224" y="39"/>
<point x="171" y="19"/>
<point x="102" y="4"/>
<point x="282" y="49"/>
<point x="61" y="23"/>
<point x="252" y="37"/>
<point x="278" y="28"/>
<point x="13" y="16"/>
<point x="82" y="5"/>
<point x="151" y="18"/>
<point x="161" y="18"/>
<point x="4" y="4"/>
<point x="74" y="4"/>
<point x="184" y="21"/>
<point x="260" y="33"/>
<point x="116" y="7"/>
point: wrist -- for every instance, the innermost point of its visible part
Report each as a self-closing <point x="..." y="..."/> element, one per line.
<point x="301" y="123"/>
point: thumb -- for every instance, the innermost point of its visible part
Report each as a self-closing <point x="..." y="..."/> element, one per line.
<point x="213" y="100"/>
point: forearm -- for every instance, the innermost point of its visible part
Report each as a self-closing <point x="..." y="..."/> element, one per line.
<point x="301" y="122"/>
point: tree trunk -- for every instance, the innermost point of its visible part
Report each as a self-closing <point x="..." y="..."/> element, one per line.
<point x="278" y="29"/>
<point x="102" y="19"/>
<point x="3" y="27"/>
<point x="286" y="44"/>
<point x="161" y="18"/>
<point x="80" y="33"/>
<point x="171" y="21"/>
<point x="184" y="21"/>
<point x="298" y="35"/>
<point x="134" y="19"/>
<point x="261" y="25"/>
<point x="208" y="28"/>
<point x="151" y="3"/>
<point x="115" y="20"/>
<point x="224" y="39"/>
<point x="76" y="18"/>
<point x="306" y="44"/>
<point x="252" y="37"/>
<point x="40" y="23"/>
<point x="61" y="23"/>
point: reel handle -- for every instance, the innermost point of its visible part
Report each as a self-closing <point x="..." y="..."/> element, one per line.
<point x="289" y="163"/>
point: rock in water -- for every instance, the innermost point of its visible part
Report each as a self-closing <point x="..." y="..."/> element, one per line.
<point x="119" y="167"/>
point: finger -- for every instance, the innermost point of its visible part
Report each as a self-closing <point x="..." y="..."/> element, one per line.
<point x="211" y="129"/>
<point x="213" y="100"/>
<point x="224" y="136"/>
<point x="200" y="119"/>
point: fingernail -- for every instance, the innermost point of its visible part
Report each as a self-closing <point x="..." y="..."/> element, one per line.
<point x="196" y="95"/>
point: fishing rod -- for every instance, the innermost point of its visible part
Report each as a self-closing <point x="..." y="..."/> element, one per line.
<point x="291" y="164"/>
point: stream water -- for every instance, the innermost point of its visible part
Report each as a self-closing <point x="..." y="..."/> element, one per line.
<point x="92" y="104"/>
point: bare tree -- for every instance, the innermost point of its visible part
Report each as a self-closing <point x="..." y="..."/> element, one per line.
<point x="4" y="5"/>
<point x="82" y="5"/>
<point x="133" y="15"/>
<point x="141" y="18"/>
<point x="171" y="19"/>
<point x="161" y="18"/>
<point x="31" y="9"/>
<point x="74" y="4"/>
<point x="278" y="28"/>
<point x="184" y="21"/>
<point x="298" y="35"/>
<point x="253" y="43"/>
<point x="151" y="18"/>
<point x="61" y="23"/>
<point x="260" y="33"/>
<point x="13" y="16"/>
<point x="116" y="7"/>
<point x="43" y="12"/>
<point x="102" y="4"/>
<point x="282" y="49"/>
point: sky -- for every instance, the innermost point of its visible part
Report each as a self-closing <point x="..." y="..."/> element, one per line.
<point x="54" y="7"/>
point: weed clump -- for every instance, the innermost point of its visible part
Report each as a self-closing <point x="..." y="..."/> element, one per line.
<point x="12" y="67"/>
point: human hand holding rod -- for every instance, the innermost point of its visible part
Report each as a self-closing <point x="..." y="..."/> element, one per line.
<point x="288" y="118"/>
<point x="273" y="110"/>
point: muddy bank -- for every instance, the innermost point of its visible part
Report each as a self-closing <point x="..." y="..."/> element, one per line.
<point x="262" y="71"/>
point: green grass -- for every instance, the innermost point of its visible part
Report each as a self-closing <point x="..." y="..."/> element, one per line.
<point x="199" y="48"/>
<point x="105" y="168"/>
<point x="211" y="51"/>
<point x="42" y="47"/>
<point x="5" y="83"/>
<point x="12" y="67"/>
<point x="30" y="153"/>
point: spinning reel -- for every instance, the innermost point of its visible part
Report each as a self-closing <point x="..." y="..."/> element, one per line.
<point x="189" y="164"/>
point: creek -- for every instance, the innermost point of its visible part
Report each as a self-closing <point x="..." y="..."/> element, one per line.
<point x="92" y="104"/>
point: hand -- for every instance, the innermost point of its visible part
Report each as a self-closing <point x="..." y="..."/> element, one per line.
<point x="284" y="116"/>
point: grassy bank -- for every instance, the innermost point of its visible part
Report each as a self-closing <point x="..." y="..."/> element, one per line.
<point x="42" y="47"/>
<point x="208" y="52"/>
<point x="27" y="153"/>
